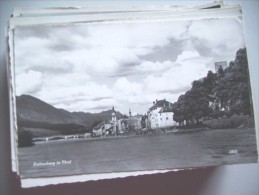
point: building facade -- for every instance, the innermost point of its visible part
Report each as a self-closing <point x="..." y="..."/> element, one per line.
<point x="160" y="115"/>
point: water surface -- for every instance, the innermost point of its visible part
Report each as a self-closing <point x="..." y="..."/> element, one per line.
<point x="160" y="151"/>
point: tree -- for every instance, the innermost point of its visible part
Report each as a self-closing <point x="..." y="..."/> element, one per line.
<point x="193" y="105"/>
<point x="229" y="90"/>
<point x="232" y="88"/>
<point x="240" y="100"/>
<point x="220" y="72"/>
<point x="179" y="110"/>
<point x="24" y="138"/>
<point x="210" y="81"/>
<point x="197" y="104"/>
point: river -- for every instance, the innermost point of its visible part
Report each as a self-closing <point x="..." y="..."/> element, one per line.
<point x="149" y="152"/>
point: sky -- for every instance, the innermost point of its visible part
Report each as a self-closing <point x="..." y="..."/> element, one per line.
<point x="92" y="67"/>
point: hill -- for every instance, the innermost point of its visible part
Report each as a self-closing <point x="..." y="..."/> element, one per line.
<point x="32" y="109"/>
<point x="43" y="119"/>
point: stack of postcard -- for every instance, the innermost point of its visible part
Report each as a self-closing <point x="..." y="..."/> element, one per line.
<point x="116" y="92"/>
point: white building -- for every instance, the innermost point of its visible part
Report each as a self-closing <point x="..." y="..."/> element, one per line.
<point x="160" y="115"/>
<point x="122" y="126"/>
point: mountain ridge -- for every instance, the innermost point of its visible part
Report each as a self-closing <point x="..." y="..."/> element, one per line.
<point x="34" y="113"/>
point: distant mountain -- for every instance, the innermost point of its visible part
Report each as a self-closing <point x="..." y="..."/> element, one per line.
<point x="32" y="109"/>
<point x="92" y="119"/>
<point x="34" y="113"/>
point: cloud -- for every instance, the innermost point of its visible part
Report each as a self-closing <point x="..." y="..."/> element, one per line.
<point x="154" y="67"/>
<point x="101" y="98"/>
<point x="167" y="52"/>
<point x="81" y="97"/>
<point x="187" y="55"/>
<point x="32" y="54"/>
<point x="87" y="106"/>
<point x="219" y="36"/>
<point x="191" y="67"/>
<point x="28" y="82"/>
<point x="98" y="48"/>
<point x="125" y="87"/>
<point x="140" y="35"/>
<point x="104" y="61"/>
<point x="87" y="91"/>
<point x="89" y="67"/>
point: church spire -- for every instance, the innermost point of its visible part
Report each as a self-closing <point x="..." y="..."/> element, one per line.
<point x="113" y="115"/>
<point x="129" y="113"/>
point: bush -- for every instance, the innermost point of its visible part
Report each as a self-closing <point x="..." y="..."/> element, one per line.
<point x="24" y="138"/>
<point x="231" y="122"/>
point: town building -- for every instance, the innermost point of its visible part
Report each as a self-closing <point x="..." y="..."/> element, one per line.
<point x="122" y="126"/>
<point x="107" y="127"/>
<point x="131" y="124"/>
<point x="160" y="115"/>
<point x="103" y="128"/>
<point x="126" y="125"/>
<point x="134" y="123"/>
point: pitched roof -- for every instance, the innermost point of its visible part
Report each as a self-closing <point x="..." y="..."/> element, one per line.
<point x="99" y="125"/>
<point x="166" y="109"/>
<point x="160" y="104"/>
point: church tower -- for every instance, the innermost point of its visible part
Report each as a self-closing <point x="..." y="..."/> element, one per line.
<point x="114" y="119"/>
<point x="129" y="113"/>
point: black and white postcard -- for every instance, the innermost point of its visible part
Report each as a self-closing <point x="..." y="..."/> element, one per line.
<point x="127" y="96"/>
